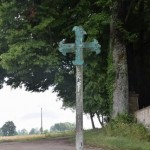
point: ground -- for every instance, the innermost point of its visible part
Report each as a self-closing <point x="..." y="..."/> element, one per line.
<point x="55" y="144"/>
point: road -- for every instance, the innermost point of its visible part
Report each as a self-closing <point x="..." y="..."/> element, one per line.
<point x="57" y="144"/>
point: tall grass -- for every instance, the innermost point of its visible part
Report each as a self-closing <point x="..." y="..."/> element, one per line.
<point x="126" y="126"/>
<point x="97" y="138"/>
<point x="123" y="133"/>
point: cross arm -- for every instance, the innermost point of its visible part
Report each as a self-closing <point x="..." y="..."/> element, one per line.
<point x="93" y="46"/>
<point x="66" y="48"/>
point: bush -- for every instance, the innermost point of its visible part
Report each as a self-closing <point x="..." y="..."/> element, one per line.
<point x="125" y="125"/>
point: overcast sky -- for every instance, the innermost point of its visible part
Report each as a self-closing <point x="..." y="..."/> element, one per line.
<point x="24" y="108"/>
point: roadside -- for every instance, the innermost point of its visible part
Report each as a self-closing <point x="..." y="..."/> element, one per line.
<point x="45" y="144"/>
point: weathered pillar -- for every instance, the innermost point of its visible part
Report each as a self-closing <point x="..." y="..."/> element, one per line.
<point x="79" y="107"/>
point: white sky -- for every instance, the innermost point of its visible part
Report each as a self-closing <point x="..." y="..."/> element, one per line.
<point x="24" y="109"/>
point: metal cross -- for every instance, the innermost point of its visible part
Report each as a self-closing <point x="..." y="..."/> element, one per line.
<point x="77" y="48"/>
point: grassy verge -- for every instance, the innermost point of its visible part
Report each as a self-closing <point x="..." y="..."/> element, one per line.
<point x="119" y="137"/>
<point x="122" y="133"/>
<point x="97" y="138"/>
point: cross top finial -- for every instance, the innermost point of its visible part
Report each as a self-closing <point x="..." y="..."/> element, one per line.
<point x="79" y="31"/>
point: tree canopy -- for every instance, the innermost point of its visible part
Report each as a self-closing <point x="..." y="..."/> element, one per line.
<point x="62" y="127"/>
<point x="34" y="131"/>
<point x="31" y="32"/>
<point x="8" y="129"/>
<point x="29" y="56"/>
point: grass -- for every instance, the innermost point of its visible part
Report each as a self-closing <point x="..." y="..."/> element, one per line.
<point x="50" y="135"/>
<point x="97" y="138"/>
<point x="21" y="138"/>
<point x="60" y="134"/>
<point x="122" y="133"/>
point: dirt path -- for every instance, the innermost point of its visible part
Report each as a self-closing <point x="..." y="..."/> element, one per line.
<point x="57" y="144"/>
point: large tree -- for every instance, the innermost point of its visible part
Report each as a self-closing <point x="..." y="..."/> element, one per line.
<point x="121" y="92"/>
<point x="129" y="28"/>
<point x="31" y="37"/>
<point x="30" y="32"/>
<point x="8" y="129"/>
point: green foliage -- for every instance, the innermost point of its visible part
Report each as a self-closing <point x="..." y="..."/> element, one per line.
<point x="46" y="131"/>
<point x="125" y="125"/>
<point x="34" y="131"/>
<point x="22" y="132"/>
<point x="99" y="138"/>
<point x="62" y="127"/>
<point x="110" y="79"/>
<point x="29" y="36"/>
<point x="95" y="94"/>
<point x="8" y="129"/>
<point x="1" y="133"/>
<point x="124" y="118"/>
<point x="28" y="44"/>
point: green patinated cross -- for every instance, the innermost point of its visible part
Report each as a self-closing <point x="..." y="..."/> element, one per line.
<point x="78" y="46"/>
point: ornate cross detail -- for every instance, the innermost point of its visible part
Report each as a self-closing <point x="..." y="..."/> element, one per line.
<point x="78" y="46"/>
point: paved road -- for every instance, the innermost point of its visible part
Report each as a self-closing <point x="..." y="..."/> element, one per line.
<point x="57" y="144"/>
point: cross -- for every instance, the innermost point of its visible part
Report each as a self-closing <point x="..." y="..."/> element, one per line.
<point x="77" y="48"/>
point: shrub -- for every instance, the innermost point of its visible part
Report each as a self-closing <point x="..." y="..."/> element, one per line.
<point x="125" y="125"/>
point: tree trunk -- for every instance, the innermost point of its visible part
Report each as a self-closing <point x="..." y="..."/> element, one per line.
<point x="99" y="119"/>
<point x="92" y="121"/>
<point x="120" y="95"/>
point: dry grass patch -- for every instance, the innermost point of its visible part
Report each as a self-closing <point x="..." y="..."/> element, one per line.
<point x="50" y="135"/>
<point x="21" y="138"/>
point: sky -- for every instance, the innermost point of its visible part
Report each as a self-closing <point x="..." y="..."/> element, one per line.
<point x="24" y="109"/>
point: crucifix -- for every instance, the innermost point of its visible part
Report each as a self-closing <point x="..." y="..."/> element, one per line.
<point x="77" y="48"/>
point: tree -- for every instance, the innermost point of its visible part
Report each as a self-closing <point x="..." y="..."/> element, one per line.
<point x="33" y="51"/>
<point x="62" y="126"/>
<point x="23" y="132"/>
<point x="95" y="67"/>
<point x="34" y="131"/>
<point x="9" y="129"/>
<point x="1" y="133"/>
<point x="129" y="52"/>
<point x="138" y="50"/>
<point x="29" y="35"/>
<point x="120" y="95"/>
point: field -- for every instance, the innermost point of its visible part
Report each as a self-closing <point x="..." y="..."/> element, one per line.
<point x="21" y="138"/>
<point x="35" y="137"/>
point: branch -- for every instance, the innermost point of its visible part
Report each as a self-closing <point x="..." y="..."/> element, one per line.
<point x="132" y="4"/>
